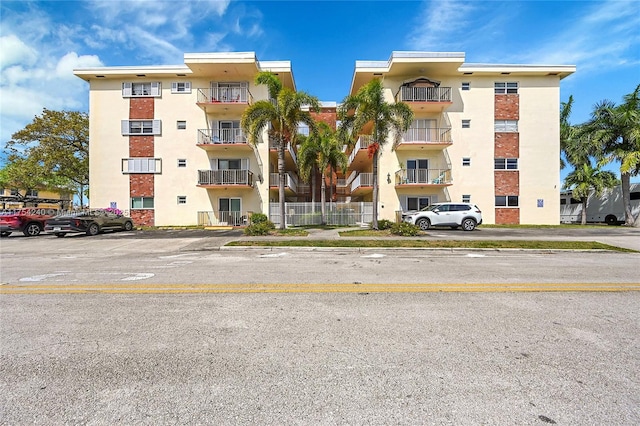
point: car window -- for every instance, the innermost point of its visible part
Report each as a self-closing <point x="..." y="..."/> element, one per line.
<point x="443" y="207"/>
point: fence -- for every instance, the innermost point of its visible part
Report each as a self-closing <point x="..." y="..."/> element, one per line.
<point x="300" y="214"/>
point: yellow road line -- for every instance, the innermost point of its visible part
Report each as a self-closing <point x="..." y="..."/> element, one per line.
<point x="128" y="288"/>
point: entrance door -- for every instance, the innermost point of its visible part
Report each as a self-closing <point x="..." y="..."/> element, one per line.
<point x="417" y="203"/>
<point x="230" y="211"/>
<point x="417" y="170"/>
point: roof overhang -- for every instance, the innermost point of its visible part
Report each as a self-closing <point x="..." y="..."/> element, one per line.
<point x="561" y="71"/>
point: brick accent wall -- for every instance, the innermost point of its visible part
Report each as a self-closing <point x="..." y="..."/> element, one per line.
<point x="141" y="108"/>
<point x="507" y="182"/>
<point x="327" y="115"/>
<point x="507" y="107"/>
<point x="142" y="185"/>
<point x="507" y="216"/>
<point x="507" y="145"/>
<point x="141" y="146"/>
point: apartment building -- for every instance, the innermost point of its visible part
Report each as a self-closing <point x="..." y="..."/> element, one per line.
<point x="166" y="142"/>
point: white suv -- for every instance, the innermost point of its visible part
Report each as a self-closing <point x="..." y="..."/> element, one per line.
<point x="446" y="214"/>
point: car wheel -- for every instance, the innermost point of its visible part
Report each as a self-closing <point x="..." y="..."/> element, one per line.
<point x="128" y="226"/>
<point x="60" y="234"/>
<point x="468" y="224"/>
<point x="611" y="220"/>
<point x="32" y="229"/>
<point x="93" y="229"/>
<point x="424" y="224"/>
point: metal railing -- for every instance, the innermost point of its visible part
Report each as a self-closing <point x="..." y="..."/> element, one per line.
<point x="362" y="180"/>
<point x="290" y="180"/>
<point x="225" y="95"/>
<point x="300" y="214"/>
<point x="222" y="218"/>
<point x="425" y="94"/>
<point x="427" y="134"/>
<point x="221" y="136"/>
<point x="225" y="177"/>
<point x="423" y="176"/>
<point x="273" y="144"/>
<point x="362" y="143"/>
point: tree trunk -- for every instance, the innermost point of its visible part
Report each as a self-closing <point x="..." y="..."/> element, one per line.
<point x="322" y="199"/>
<point x="281" y="178"/>
<point x="331" y="184"/>
<point x="583" y="221"/>
<point x="374" y="222"/>
<point x="626" y="199"/>
<point x="313" y="185"/>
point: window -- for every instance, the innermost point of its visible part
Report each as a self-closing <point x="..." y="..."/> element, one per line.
<point x="506" y="126"/>
<point x="182" y="162"/>
<point x="466" y="198"/>
<point x="466" y="124"/>
<point x="141" y="127"/>
<point x="141" y="203"/>
<point x="182" y="199"/>
<point x="505" y="164"/>
<point x="141" y="165"/>
<point x="181" y="87"/>
<point x="303" y="129"/>
<point x="502" y="88"/>
<point x="466" y="161"/>
<point x="14" y="192"/>
<point x="136" y="90"/>
<point x="181" y="125"/>
<point x="229" y="164"/>
<point x="31" y="193"/>
<point x="466" y="86"/>
<point x="417" y="203"/>
<point x="506" y="201"/>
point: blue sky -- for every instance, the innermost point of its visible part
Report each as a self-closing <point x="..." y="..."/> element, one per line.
<point x="43" y="41"/>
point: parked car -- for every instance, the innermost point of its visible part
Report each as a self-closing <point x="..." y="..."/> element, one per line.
<point x="29" y="221"/>
<point x="454" y="215"/>
<point x="89" y="222"/>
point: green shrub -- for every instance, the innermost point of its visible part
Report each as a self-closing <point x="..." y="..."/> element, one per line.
<point x="384" y="224"/>
<point x="262" y="228"/>
<point x="405" y="229"/>
<point x="259" y="218"/>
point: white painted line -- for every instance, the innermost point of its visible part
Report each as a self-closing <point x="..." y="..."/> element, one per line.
<point x="275" y="255"/>
<point x="37" y="278"/>
<point x="137" y="277"/>
<point x="375" y="256"/>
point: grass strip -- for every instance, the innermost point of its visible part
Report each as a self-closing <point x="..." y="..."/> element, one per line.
<point x="470" y="244"/>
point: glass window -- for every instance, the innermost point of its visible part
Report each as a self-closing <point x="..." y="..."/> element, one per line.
<point x="506" y="125"/>
<point x="503" y="88"/>
<point x="505" y="163"/>
<point x="182" y="162"/>
<point x="181" y="125"/>
<point x="466" y="124"/>
<point x="466" y="86"/>
<point x="466" y="161"/>
<point x="506" y="201"/>
<point x="141" y="203"/>
<point x="466" y="198"/>
<point x="182" y="199"/>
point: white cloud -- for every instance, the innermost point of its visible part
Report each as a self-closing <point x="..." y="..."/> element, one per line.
<point x="66" y="64"/>
<point x="15" y="51"/>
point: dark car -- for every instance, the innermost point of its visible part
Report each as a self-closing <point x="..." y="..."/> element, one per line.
<point x="89" y="222"/>
<point x="28" y="221"/>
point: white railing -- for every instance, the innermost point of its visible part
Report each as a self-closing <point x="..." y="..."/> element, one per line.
<point x="273" y="144"/>
<point x="225" y="177"/>
<point x="425" y="94"/>
<point x="222" y="218"/>
<point x="423" y="176"/>
<point x="362" y="143"/>
<point x="290" y="180"/>
<point x="221" y="136"/>
<point x="300" y="214"/>
<point x="363" y="179"/>
<point x="427" y="134"/>
<point x="225" y="95"/>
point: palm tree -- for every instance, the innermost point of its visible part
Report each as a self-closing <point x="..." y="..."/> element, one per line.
<point x="574" y="143"/>
<point x="586" y="179"/>
<point x="308" y="161"/>
<point x="283" y="112"/>
<point x="616" y="130"/>
<point x="368" y="105"/>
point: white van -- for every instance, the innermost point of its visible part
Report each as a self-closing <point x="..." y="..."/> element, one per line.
<point x="607" y="208"/>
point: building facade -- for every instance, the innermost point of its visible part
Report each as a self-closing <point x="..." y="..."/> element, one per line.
<point x="166" y="142"/>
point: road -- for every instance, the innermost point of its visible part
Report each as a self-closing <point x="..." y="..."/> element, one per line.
<point x="123" y="329"/>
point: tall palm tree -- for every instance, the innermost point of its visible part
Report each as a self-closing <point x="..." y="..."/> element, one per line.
<point x="308" y="156"/>
<point x="586" y="179"/>
<point x="283" y="112"/>
<point x="369" y="105"/>
<point x="575" y="144"/>
<point x="616" y="130"/>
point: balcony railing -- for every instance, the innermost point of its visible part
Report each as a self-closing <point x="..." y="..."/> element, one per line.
<point x="273" y="144"/>
<point x="223" y="218"/>
<point x="225" y="177"/>
<point x="362" y="143"/>
<point x="290" y="181"/>
<point x="221" y="136"/>
<point x="225" y="95"/>
<point x="427" y="134"/>
<point x="363" y="179"/>
<point x="423" y="176"/>
<point x="425" y="94"/>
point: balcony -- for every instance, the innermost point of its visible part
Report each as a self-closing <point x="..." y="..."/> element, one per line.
<point x="359" y="157"/>
<point x="361" y="183"/>
<point x="425" y="99"/>
<point x="290" y="158"/>
<point x="225" y="178"/>
<point x="421" y="177"/>
<point x="425" y="138"/>
<point x="224" y="99"/>
<point x="290" y="182"/>
<point x="221" y="139"/>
